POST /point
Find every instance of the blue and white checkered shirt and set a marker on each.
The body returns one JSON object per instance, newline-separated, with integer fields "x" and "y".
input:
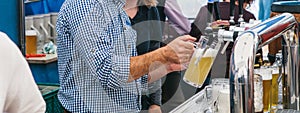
{"x": 95, "y": 43}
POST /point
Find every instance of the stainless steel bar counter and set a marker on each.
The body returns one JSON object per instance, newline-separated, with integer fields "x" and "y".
{"x": 206, "y": 101}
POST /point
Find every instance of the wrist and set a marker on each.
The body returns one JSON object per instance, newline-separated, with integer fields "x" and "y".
{"x": 163, "y": 53}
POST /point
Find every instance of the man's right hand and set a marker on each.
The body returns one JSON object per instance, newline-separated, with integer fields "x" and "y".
{"x": 180, "y": 50}
{"x": 170, "y": 58}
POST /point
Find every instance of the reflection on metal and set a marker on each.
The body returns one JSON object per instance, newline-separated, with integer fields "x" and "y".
{"x": 243, "y": 56}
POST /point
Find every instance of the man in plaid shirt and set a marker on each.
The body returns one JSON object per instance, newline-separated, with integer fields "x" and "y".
{"x": 98, "y": 67}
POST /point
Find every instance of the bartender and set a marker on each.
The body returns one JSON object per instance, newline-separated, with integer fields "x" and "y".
{"x": 98, "y": 67}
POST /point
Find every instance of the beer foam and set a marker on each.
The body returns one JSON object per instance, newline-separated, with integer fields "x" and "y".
{"x": 266, "y": 73}
{"x": 198, "y": 52}
{"x": 210, "y": 53}
{"x": 30, "y": 33}
{"x": 275, "y": 71}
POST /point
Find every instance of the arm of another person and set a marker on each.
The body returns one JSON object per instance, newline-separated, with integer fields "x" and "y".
{"x": 21, "y": 93}
{"x": 200, "y": 23}
{"x": 174, "y": 14}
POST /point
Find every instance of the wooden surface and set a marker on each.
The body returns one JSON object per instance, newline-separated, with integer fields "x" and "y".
{"x": 43, "y": 60}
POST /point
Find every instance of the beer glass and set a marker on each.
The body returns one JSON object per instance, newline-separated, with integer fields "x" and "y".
{"x": 274, "y": 89}
{"x": 266, "y": 74}
{"x": 200, "y": 63}
{"x": 258, "y": 93}
{"x": 31, "y": 39}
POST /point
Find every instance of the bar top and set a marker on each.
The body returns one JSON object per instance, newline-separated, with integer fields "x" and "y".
{"x": 42, "y": 60}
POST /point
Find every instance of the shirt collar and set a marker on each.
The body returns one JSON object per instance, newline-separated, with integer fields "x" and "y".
{"x": 120, "y": 3}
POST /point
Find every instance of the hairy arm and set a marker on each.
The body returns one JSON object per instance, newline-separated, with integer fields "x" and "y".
{"x": 163, "y": 60}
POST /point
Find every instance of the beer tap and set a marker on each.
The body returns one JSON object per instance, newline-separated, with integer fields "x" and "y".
{"x": 243, "y": 57}
{"x": 235, "y": 29}
{"x": 208, "y": 39}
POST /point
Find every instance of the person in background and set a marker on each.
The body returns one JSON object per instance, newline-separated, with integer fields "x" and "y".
{"x": 145, "y": 20}
{"x": 97, "y": 60}
{"x": 170, "y": 9}
{"x": 19, "y": 93}
{"x": 264, "y": 11}
{"x": 200, "y": 23}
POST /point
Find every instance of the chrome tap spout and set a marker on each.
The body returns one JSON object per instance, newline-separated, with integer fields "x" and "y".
{"x": 243, "y": 57}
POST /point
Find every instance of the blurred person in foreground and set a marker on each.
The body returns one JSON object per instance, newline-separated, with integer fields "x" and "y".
{"x": 19, "y": 93}
{"x": 97, "y": 60}
{"x": 174, "y": 24}
{"x": 144, "y": 18}
{"x": 200, "y": 23}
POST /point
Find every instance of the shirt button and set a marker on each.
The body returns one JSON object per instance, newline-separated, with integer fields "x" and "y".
{"x": 93, "y": 50}
{"x": 128, "y": 46}
{"x": 124, "y": 28}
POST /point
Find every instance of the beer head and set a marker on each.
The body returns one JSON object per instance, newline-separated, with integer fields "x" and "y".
{"x": 211, "y": 53}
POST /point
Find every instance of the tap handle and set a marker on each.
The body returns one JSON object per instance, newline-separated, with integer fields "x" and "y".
{"x": 216, "y": 10}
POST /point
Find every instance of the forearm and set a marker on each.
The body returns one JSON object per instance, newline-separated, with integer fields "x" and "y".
{"x": 157, "y": 71}
{"x": 140, "y": 65}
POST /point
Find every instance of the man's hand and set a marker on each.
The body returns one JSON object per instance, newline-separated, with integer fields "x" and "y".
{"x": 163, "y": 60}
{"x": 219, "y": 23}
{"x": 180, "y": 50}
{"x": 154, "y": 109}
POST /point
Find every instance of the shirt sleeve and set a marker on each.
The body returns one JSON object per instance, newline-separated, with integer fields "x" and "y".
{"x": 180, "y": 23}
{"x": 199, "y": 24}
{"x": 93, "y": 39}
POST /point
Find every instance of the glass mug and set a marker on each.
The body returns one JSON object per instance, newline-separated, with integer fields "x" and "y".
{"x": 266, "y": 74}
{"x": 201, "y": 63}
{"x": 31, "y": 42}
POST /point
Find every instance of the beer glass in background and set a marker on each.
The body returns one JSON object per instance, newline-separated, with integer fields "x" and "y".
{"x": 224, "y": 100}
{"x": 266, "y": 74}
{"x": 200, "y": 63}
{"x": 31, "y": 40}
{"x": 275, "y": 75}
{"x": 258, "y": 93}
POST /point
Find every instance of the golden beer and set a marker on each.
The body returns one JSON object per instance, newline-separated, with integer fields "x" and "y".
{"x": 31, "y": 42}
{"x": 267, "y": 94}
{"x": 274, "y": 90}
{"x": 196, "y": 74}
{"x": 197, "y": 71}
{"x": 266, "y": 74}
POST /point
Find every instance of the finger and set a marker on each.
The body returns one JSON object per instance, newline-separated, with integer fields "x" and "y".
{"x": 189, "y": 45}
{"x": 188, "y": 38}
